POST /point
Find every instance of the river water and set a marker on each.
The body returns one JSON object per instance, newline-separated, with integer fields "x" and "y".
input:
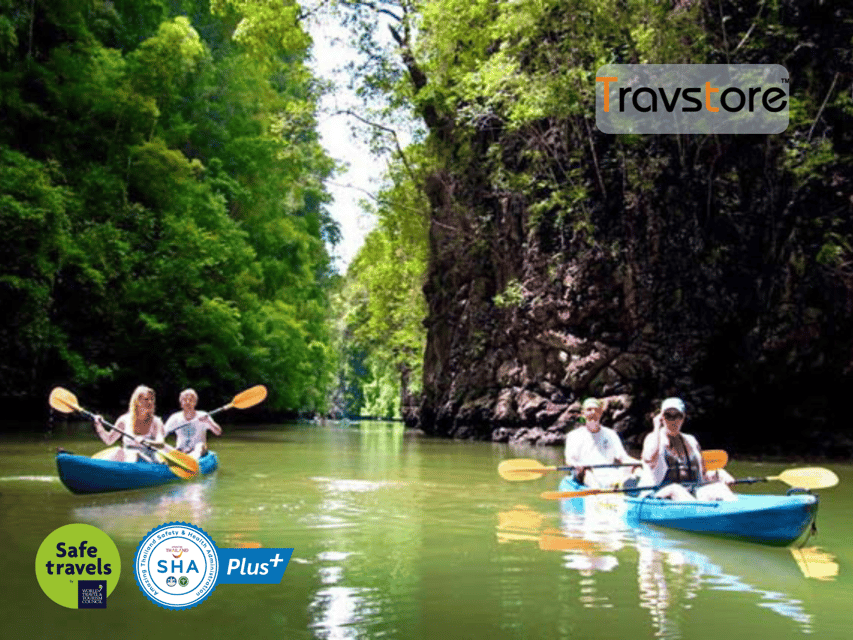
{"x": 400, "y": 536}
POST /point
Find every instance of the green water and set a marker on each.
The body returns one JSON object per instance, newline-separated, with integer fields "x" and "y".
{"x": 399, "y": 536}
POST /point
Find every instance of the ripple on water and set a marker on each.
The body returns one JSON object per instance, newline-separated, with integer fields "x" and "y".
{"x": 29, "y": 479}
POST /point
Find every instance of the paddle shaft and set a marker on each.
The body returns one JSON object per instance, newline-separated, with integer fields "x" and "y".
{"x": 754, "y": 480}
{"x": 564, "y": 495}
{"x": 524, "y": 469}
{"x": 209, "y": 413}
{"x": 567, "y": 495}
{"x": 585, "y": 466}
{"x": 143, "y": 441}
{"x": 712, "y": 459}
{"x": 223, "y": 408}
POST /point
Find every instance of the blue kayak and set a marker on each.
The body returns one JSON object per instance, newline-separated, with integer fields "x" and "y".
{"x": 767, "y": 519}
{"x": 82, "y": 474}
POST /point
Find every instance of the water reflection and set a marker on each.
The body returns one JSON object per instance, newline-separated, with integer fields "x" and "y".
{"x": 670, "y": 577}
{"x": 128, "y": 515}
{"x": 671, "y": 570}
{"x": 815, "y": 563}
{"x": 366, "y": 518}
{"x": 339, "y": 613}
{"x": 337, "y": 610}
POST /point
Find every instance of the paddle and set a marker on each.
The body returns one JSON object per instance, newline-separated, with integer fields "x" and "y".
{"x": 806, "y": 478}
{"x": 521, "y": 469}
{"x": 181, "y": 464}
{"x": 243, "y": 400}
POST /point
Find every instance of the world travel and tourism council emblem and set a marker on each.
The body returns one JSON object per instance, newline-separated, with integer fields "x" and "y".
{"x": 176, "y": 565}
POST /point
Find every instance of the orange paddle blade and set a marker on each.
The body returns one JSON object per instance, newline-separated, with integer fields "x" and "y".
{"x": 249, "y": 397}
{"x": 63, "y": 400}
{"x": 715, "y": 459}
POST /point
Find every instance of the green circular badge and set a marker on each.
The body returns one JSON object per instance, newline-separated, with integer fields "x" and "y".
{"x": 78, "y": 566}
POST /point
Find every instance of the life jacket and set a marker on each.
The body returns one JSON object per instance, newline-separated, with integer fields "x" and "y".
{"x": 681, "y": 469}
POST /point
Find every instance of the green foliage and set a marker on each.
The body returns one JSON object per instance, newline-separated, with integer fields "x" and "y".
{"x": 380, "y": 307}
{"x": 164, "y": 183}
{"x": 511, "y": 297}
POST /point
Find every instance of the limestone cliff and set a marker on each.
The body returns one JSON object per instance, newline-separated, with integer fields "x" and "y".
{"x": 716, "y": 268}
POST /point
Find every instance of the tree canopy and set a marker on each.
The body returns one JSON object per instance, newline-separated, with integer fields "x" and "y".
{"x": 161, "y": 193}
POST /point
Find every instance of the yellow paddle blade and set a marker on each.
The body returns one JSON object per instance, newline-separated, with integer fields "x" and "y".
{"x": 715, "y": 459}
{"x": 249, "y": 397}
{"x": 522, "y": 469}
{"x": 181, "y": 464}
{"x": 63, "y": 400}
{"x": 808, "y": 478}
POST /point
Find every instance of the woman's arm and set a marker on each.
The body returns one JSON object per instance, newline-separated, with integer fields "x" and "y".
{"x": 652, "y": 443}
{"x": 108, "y": 437}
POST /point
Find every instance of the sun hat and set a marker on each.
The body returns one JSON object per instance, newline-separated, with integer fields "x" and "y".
{"x": 673, "y": 403}
{"x": 591, "y": 402}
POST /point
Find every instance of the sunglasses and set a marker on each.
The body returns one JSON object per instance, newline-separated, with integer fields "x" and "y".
{"x": 673, "y": 415}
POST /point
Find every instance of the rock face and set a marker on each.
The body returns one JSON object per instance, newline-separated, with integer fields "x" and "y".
{"x": 735, "y": 313}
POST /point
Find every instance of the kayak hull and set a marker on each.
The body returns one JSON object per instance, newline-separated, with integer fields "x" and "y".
{"x": 82, "y": 474}
{"x": 766, "y": 519}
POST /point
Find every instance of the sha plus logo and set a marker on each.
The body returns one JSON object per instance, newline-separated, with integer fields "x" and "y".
{"x": 176, "y": 565}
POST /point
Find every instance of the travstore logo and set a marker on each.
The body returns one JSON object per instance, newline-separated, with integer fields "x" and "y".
{"x": 691, "y": 98}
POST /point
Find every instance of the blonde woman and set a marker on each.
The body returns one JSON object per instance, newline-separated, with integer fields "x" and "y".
{"x": 139, "y": 421}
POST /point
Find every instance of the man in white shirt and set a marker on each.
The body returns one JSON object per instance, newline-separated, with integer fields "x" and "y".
{"x": 592, "y": 444}
{"x": 191, "y": 426}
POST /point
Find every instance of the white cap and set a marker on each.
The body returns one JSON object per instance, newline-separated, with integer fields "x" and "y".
{"x": 591, "y": 402}
{"x": 673, "y": 403}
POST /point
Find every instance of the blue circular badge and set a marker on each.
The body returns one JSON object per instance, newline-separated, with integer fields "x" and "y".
{"x": 176, "y": 565}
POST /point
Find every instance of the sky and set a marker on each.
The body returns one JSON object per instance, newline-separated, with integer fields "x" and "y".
{"x": 365, "y": 170}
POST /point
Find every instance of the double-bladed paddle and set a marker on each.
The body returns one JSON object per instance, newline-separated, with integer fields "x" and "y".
{"x": 805, "y": 478}
{"x": 521, "y": 469}
{"x": 243, "y": 400}
{"x": 181, "y": 464}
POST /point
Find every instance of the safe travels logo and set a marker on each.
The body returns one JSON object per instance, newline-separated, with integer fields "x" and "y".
{"x": 78, "y": 566}
{"x": 692, "y": 98}
{"x": 177, "y": 565}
